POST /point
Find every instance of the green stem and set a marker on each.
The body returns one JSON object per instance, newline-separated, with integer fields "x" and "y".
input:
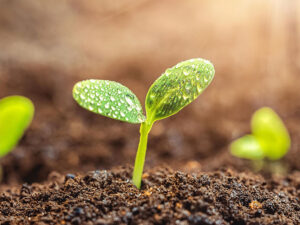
{"x": 141, "y": 154}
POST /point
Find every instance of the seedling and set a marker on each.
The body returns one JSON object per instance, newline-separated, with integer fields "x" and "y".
{"x": 172, "y": 91}
{"x": 269, "y": 139}
{"x": 16, "y": 113}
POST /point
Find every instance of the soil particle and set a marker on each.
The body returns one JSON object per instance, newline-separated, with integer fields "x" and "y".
{"x": 166, "y": 197}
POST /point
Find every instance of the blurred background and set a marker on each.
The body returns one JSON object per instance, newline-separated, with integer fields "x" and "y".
{"x": 47, "y": 46}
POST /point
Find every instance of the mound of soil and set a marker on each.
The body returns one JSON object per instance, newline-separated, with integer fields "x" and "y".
{"x": 166, "y": 197}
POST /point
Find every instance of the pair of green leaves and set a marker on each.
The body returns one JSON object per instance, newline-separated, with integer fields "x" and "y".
{"x": 171, "y": 92}
{"x": 269, "y": 139}
{"x": 16, "y": 113}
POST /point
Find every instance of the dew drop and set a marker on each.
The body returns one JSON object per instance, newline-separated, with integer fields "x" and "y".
{"x": 188, "y": 86}
{"x": 113, "y": 108}
{"x": 106, "y": 105}
{"x": 122, "y": 114}
{"x": 91, "y": 108}
{"x": 152, "y": 96}
{"x": 199, "y": 89}
{"x": 99, "y": 110}
{"x": 112, "y": 98}
{"x": 186, "y": 72}
{"x": 129, "y": 101}
{"x": 82, "y": 97}
{"x": 205, "y": 79}
{"x": 168, "y": 72}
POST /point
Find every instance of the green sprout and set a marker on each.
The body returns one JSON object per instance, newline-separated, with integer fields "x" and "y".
{"x": 16, "y": 113}
{"x": 269, "y": 139}
{"x": 172, "y": 91}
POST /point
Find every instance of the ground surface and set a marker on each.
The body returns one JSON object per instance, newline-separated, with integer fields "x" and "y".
{"x": 166, "y": 197}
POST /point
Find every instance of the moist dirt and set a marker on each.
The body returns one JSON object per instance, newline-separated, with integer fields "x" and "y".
{"x": 166, "y": 197}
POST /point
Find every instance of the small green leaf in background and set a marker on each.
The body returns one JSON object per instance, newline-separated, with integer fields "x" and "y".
{"x": 269, "y": 139}
{"x": 178, "y": 87}
{"x": 16, "y": 113}
{"x": 247, "y": 147}
{"x": 110, "y": 99}
{"x": 271, "y": 133}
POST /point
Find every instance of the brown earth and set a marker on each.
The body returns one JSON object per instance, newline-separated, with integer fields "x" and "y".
{"x": 166, "y": 197}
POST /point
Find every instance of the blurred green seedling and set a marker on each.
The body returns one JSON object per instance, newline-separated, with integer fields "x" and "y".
{"x": 173, "y": 90}
{"x": 16, "y": 113}
{"x": 269, "y": 140}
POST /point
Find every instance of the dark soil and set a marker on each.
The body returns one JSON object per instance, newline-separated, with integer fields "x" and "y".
{"x": 166, "y": 197}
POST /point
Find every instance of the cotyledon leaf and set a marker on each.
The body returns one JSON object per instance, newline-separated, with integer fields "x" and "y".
{"x": 247, "y": 147}
{"x": 110, "y": 99}
{"x": 271, "y": 133}
{"x": 178, "y": 87}
{"x": 16, "y": 113}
